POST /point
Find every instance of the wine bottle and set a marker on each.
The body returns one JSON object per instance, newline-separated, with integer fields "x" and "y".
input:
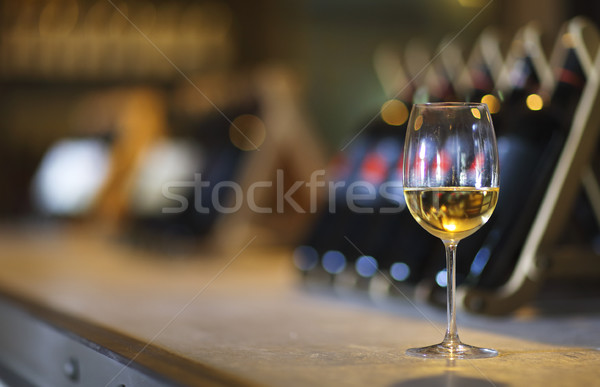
{"x": 523, "y": 142}
{"x": 528, "y": 154}
{"x": 345, "y": 229}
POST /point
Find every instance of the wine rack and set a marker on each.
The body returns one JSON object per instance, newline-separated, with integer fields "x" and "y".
{"x": 547, "y": 129}
{"x": 111, "y": 41}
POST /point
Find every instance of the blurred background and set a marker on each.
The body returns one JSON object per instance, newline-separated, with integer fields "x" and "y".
{"x": 103, "y": 102}
{"x": 56, "y": 53}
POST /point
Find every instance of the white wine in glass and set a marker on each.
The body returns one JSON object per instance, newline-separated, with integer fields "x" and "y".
{"x": 451, "y": 186}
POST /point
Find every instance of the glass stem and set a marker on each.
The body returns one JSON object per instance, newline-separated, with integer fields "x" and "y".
{"x": 451, "y": 338}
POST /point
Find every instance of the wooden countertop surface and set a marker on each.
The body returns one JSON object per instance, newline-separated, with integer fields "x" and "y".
{"x": 243, "y": 317}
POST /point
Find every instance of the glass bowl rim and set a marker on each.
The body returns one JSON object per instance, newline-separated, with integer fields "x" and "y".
{"x": 450, "y": 104}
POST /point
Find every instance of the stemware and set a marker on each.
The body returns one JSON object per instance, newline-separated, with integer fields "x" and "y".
{"x": 451, "y": 185}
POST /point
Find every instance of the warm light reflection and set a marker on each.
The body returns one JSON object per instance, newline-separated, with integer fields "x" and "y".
{"x": 418, "y": 122}
{"x": 247, "y": 132}
{"x": 100, "y": 40}
{"x": 450, "y": 227}
{"x": 394, "y": 112}
{"x": 476, "y": 113}
{"x": 534, "y": 102}
{"x": 492, "y": 102}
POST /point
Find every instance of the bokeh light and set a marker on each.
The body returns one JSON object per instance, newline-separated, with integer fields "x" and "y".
{"x": 534, "y": 102}
{"x": 247, "y": 132}
{"x": 334, "y": 262}
{"x": 305, "y": 258}
{"x": 366, "y": 266}
{"x": 400, "y": 271}
{"x": 394, "y": 112}
{"x": 441, "y": 278}
{"x": 492, "y": 102}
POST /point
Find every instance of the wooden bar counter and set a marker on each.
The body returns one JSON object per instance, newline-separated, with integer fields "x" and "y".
{"x": 77, "y": 308}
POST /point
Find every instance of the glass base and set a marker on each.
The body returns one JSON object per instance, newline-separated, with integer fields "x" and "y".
{"x": 452, "y": 351}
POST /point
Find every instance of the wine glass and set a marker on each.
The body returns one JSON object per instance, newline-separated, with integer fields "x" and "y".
{"x": 451, "y": 185}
